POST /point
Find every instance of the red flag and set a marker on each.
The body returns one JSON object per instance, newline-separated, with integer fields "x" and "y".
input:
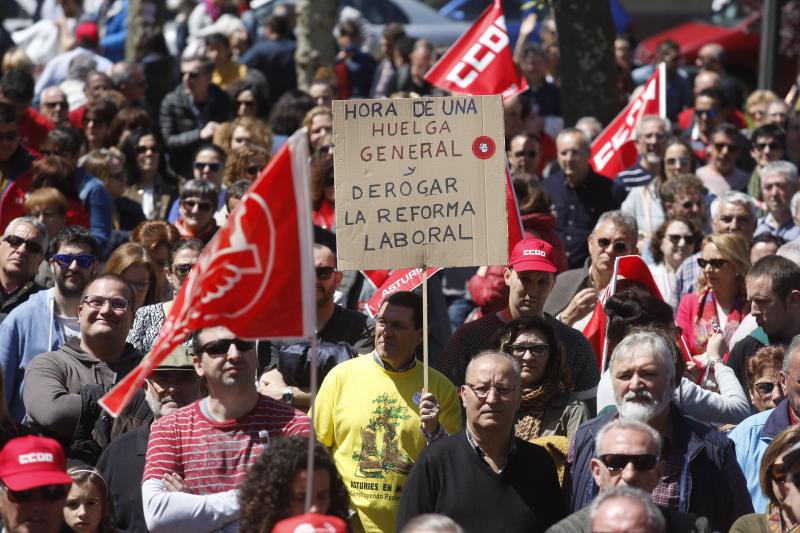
{"x": 512, "y": 213}
{"x": 254, "y": 277}
{"x": 401, "y": 279}
{"x": 614, "y": 149}
{"x": 480, "y": 62}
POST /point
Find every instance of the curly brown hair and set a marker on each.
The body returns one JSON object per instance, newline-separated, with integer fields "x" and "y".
{"x": 557, "y": 368}
{"x": 661, "y": 232}
{"x": 765, "y": 358}
{"x": 264, "y": 495}
{"x": 238, "y": 162}
{"x": 260, "y": 131}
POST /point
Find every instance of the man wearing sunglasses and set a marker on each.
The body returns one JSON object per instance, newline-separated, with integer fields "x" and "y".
{"x": 701, "y": 475}
{"x": 33, "y": 485}
{"x": 576, "y": 291}
{"x": 192, "y": 112}
{"x": 182, "y": 490}
{"x": 768, "y": 143}
{"x": 49, "y": 317}
{"x": 523, "y": 154}
{"x": 21, "y": 252}
{"x": 707, "y": 116}
{"x": 62, "y": 387}
{"x": 628, "y": 453}
{"x": 288, "y": 377}
{"x": 721, "y": 173}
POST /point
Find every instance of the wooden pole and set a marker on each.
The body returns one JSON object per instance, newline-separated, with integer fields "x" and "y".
{"x": 424, "y": 328}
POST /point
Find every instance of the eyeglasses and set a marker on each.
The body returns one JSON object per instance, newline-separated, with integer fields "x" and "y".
{"x": 53, "y": 105}
{"x": 715, "y": 263}
{"x": 50, "y": 493}
{"x": 324, "y": 273}
{"x": 83, "y": 260}
{"x": 617, "y": 462}
{"x": 773, "y": 146}
{"x": 676, "y": 239}
{"x": 10, "y": 136}
{"x": 720, "y": 146}
{"x": 619, "y": 246}
{"x": 182, "y": 269}
{"x": 98, "y": 302}
{"x": 689, "y": 203}
{"x": 221, "y": 346}
{"x": 32, "y": 246}
{"x": 214, "y": 167}
{"x": 765, "y": 388}
{"x": 482, "y": 391}
{"x": 538, "y": 349}
{"x": 523, "y": 153}
{"x": 676, "y": 161}
{"x": 778, "y": 473}
{"x": 189, "y": 205}
{"x": 145, "y": 149}
{"x": 252, "y": 171}
{"x": 710, "y": 113}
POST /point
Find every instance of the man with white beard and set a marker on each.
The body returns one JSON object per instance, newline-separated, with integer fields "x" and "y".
{"x": 701, "y": 475}
{"x": 172, "y": 385}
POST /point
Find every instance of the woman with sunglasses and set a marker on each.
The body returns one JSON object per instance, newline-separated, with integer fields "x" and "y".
{"x": 547, "y": 407}
{"x": 149, "y": 182}
{"x": 779, "y": 517}
{"x": 198, "y": 201}
{"x": 720, "y": 302}
{"x": 149, "y": 318}
{"x": 675, "y": 240}
{"x": 762, "y": 376}
{"x": 245, "y": 162}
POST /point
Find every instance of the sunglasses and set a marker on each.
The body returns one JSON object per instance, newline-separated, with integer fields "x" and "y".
{"x": 710, "y": 113}
{"x": 765, "y": 388}
{"x": 523, "y": 153}
{"x": 616, "y": 462}
{"x": 145, "y": 149}
{"x": 619, "y": 246}
{"x": 221, "y": 346}
{"x": 689, "y": 203}
{"x": 252, "y": 171}
{"x": 214, "y": 167}
{"x": 773, "y": 146}
{"x": 182, "y": 269}
{"x": 720, "y": 146}
{"x": 98, "y": 302}
{"x": 83, "y": 260}
{"x": 32, "y": 246}
{"x": 676, "y": 239}
{"x": 189, "y": 205}
{"x": 540, "y": 349}
{"x": 716, "y": 264}
{"x": 50, "y": 493}
{"x": 324, "y": 273}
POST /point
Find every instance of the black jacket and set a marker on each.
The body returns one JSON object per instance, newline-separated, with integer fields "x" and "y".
{"x": 122, "y": 466}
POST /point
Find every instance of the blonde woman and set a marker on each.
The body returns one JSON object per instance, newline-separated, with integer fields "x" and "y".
{"x": 720, "y": 302}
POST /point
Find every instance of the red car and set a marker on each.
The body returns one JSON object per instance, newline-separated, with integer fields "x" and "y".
{"x": 736, "y": 28}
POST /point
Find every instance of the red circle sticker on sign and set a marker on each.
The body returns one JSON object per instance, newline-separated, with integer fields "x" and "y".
{"x": 483, "y": 147}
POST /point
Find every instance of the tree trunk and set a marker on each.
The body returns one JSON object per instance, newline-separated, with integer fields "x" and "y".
{"x": 315, "y": 45}
{"x": 142, "y": 13}
{"x": 588, "y": 69}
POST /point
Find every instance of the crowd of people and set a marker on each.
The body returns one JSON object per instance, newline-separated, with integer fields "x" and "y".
{"x": 117, "y": 170}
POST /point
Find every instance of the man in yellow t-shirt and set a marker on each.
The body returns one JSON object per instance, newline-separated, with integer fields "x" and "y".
{"x": 371, "y": 412}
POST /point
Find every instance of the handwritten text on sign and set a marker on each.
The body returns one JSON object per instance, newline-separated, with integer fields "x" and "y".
{"x": 419, "y": 182}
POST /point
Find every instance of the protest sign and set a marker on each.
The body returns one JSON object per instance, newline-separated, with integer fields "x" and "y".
{"x": 420, "y": 182}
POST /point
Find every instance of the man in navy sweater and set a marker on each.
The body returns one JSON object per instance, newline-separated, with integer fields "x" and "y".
{"x": 484, "y": 477}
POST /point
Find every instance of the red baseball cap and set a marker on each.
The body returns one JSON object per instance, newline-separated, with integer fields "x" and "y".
{"x": 30, "y": 462}
{"x": 532, "y": 254}
{"x": 87, "y": 32}
{"x": 311, "y": 523}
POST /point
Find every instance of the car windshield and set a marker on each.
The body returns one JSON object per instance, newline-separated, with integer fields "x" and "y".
{"x": 470, "y": 10}
{"x": 731, "y": 12}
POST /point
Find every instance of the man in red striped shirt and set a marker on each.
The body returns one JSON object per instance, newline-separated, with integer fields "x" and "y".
{"x": 197, "y": 456}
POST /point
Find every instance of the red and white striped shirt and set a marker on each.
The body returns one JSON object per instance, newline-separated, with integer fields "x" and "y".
{"x": 213, "y": 456}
